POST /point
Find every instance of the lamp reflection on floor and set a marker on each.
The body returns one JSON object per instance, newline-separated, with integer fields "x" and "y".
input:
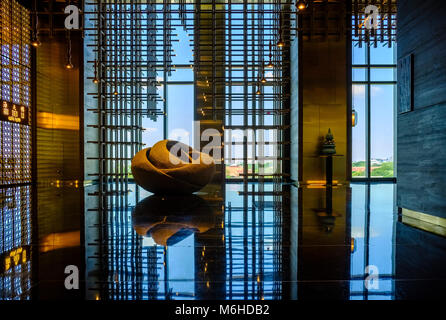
{"x": 60, "y": 240}
{"x": 324, "y": 242}
{"x": 327, "y": 216}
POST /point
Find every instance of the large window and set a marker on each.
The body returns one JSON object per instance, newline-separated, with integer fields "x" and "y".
{"x": 373, "y": 102}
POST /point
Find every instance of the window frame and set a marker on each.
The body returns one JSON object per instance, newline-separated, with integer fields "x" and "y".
{"x": 368, "y": 83}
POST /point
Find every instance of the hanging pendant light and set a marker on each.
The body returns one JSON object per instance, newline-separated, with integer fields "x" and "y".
{"x": 280, "y": 43}
{"x": 354, "y": 118}
{"x": 301, "y": 5}
{"x": 262, "y": 78}
{"x": 69, "y": 64}
{"x": 35, "y": 42}
{"x": 270, "y": 63}
{"x": 95, "y": 79}
{"x": 258, "y": 92}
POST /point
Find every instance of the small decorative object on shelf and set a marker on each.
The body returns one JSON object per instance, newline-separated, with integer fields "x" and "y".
{"x": 329, "y": 146}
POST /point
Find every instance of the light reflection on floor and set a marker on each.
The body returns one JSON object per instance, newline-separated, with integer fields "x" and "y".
{"x": 268, "y": 241}
{"x": 253, "y": 233}
{"x": 373, "y": 230}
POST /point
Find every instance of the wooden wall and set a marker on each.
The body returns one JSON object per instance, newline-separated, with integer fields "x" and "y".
{"x": 324, "y": 106}
{"x": 319, "y": 96}
{"x": 59, "y": 153}
{"x": 58, "y": 118}
{"x": 421, "y": 144}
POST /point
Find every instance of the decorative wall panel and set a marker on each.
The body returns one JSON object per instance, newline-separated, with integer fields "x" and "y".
{"x": 15, "y": 91}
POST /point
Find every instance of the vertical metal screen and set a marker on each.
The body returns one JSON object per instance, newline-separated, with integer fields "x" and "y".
{"x": 138, "y": 75}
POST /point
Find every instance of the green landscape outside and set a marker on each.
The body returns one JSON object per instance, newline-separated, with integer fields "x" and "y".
{"x": 383, "y": 169}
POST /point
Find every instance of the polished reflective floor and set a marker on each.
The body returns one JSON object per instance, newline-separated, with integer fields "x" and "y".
{"x": 249, "y": 241}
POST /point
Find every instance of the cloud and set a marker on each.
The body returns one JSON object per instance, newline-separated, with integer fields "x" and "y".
{"x": 358, "y": 90}
{"x": 375, "y": 90}
{"x": 357, "y": 232}
{"x": 149, "y": 130}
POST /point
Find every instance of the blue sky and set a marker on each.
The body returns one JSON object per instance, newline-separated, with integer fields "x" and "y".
{"x": 382, "y": 105}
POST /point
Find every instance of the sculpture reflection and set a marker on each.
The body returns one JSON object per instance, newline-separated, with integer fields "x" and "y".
{"x": 327, "y": 216}
{"x": 324, "y": 243}
{"x": 170, "y": 219}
